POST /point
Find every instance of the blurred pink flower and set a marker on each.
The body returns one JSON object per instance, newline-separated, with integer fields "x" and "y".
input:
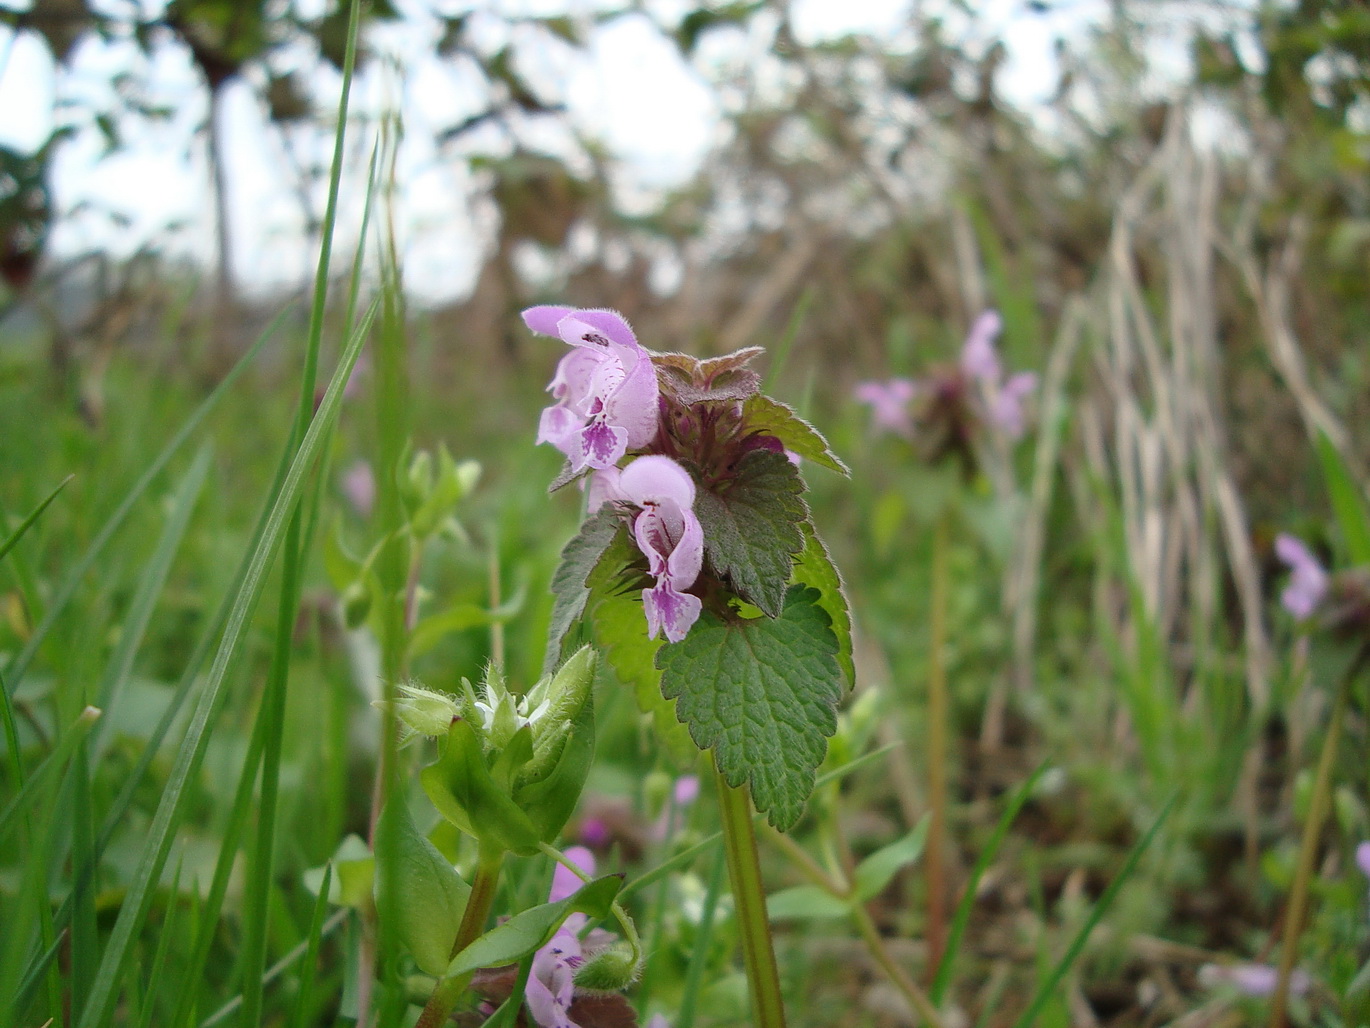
{"x": 1255, "y": 980}
{"x": 1363, "y": 858}
{"x": 683, "y": 794}
{"x": 551, "y": 984}
{"x": 980, "y": 364}
{"x": 1308, "y": 581}
{"x": 889, "y": 403}
{"x": 359, "y": 486}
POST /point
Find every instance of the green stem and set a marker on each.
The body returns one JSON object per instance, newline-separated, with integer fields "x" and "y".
{"x": 1308, "y": 845}
{"x": 937, "y": 743}
{"x": 875, "y": 942}
{"x": 744, "y": 869}
{"x": 478, "y": 904}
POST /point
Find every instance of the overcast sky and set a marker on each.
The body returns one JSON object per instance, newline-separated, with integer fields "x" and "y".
{"x": 632, "y": 91}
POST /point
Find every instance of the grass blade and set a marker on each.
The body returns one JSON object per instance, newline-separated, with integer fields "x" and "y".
{"x": 305, "y": 996}
{"x": 64, "y": 593}
{"x": 103, "y": 993}
{"x": 57, "y": 758}
{"x": 28, "y": 522}
{"x": 961, "y": 918}
{"x": 1347, "y": 501}
{"x": 1047, "y": 987}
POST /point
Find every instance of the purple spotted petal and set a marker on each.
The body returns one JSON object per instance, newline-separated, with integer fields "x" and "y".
{"x": 978, "y": 357}
{"x": 669, "y": 612}
{"x": 1307, "y": 582}
{"x": 560, "y": 427}
{"x": 609, "y": 324}
{"x": 544, "y": 320}
{"x": 598, "y": 445}
{"x": 635, "y": 403}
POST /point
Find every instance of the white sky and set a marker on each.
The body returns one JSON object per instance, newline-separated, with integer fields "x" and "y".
{"x": 655, "y": 113}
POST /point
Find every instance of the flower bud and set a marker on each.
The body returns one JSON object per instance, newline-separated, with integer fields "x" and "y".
{"x": 425, "y": 712}
{"x": 609, "y": 970}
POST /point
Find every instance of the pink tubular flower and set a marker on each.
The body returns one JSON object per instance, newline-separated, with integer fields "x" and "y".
{"x": 889, "y": 403}
{"x": 980, "y": 363}
{"x": 605, "y": 388}
{"x": 1308, "y": 581}
{"x": 670, "y": 535}
{"x": 551, "y": 984}
{"x": 665, "y": 530}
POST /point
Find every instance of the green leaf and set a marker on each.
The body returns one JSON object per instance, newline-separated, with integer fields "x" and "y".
{"x": 875, "y": 872}
{"x": 763, "y": 695}
{"x": 816, "y": 570}
{"x": 578, "y": 559}
{"x": 354, "y": 870}
{"x": 620, "y": 628}
{"x": 805, "y": 903}
{"x": 1347, "y": 501}
{"x": 764, "y": 416}
{"x": 751, "y": 527}
{"x": 435, "y": 627}
{"x": 527, "y": 932}
{"x": 461, "y": 787}
{"x": 429, "y": 896}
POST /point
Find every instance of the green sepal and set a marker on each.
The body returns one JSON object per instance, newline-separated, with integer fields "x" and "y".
{"x": 512, "y": 758}
{"x": 526, "y": 933}
{"x": 461, "y": 787}
{"x": 550, "y": 801}
{"x": 428, "y": 897}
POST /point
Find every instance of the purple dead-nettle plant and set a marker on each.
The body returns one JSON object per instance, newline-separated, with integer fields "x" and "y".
{"x": 947, "y": 412}
{"x": 697, "y": 530}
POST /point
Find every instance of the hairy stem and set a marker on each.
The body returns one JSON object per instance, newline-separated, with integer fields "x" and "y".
{"x": 744, "y": 870}
{"x": 1308, "y": 845}
{"x": 478, "y": 904}
{"x": 937, "y": 744}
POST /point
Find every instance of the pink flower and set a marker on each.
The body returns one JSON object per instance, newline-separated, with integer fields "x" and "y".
{"x": 1255, "y": 980}
{"x": 359, "y": 486}
{"x": 683, "y": 793}
{"x": 1308, "y": 582}
{"x": 1363, "y": 858}
{"x": 666, "y": 530}
{"x": 889, "y": 402}
{"x": 980, "y": 364}
{"x": 605, "y": 388}
{"x": 551, "y": 984}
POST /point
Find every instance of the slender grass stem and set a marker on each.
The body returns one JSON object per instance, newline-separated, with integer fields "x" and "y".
{"x": 744, "y": 869}
{"x": 1308, "y": 846}
{"x": 937, "y": 744}
{"x": 478, "y": 904}
{"x": 916, "y": 997}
